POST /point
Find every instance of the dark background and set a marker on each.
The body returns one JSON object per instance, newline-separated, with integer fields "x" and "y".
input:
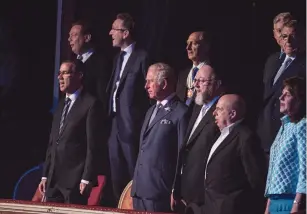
{"x": 242, "y": 40}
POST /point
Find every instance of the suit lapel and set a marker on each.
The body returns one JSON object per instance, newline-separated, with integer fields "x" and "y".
{"x": 110, "y": 84}
{"x": 161, "y": 114}
{"x": 146, "y": 120}
{"x": 131, "y": 61}
{"x": 205, "y": 120}
{"x": 226, "y": 142}
{"x": 287, "y": 73}
{"x": 57, "y": 119}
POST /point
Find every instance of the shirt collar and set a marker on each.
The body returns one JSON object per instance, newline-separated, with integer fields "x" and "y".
{"x": 291, "y": 57}
{"x": 166, "y": 100}
{"x": 75, "y": 95}
{"x": 199, "y": 65}
{"x": 230, "y": 127}
{"x": 86, "y": 55}
{"x": 129, "y": 49}
{"x": 285, "y": 119}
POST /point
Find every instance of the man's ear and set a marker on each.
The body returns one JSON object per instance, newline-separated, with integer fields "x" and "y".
{"x": 164, "y": 84}
{"x": 233, "y": 114}
{"x": 126, "y": 34}
{"x": 87, "y": 37}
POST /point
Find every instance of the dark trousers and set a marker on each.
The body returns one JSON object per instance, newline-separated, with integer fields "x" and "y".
{"x": 141, "y": 204}
{"x": 64, "y": 195}
{"x": 118, "y": 162}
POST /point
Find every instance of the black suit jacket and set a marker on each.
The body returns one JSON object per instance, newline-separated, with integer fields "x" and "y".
{"x": 131, "y": 101}
{"x": 160, "y": 143}
{"x": 269, "y": 118}
{"x": 181, "y": 89}
{"x": 190, "y": 184}
{"x": 96, "y": 76}
{"x": 235, "y": 176}
{"x": 72, "y": 154}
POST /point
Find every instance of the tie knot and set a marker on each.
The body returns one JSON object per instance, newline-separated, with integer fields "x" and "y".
{"x": 80, "y": 57}
{"x": 67, "y": 100}
{"x": 122, "y": 53}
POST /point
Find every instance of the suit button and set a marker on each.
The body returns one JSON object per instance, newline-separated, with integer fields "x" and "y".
{"x": 206, "y": 189}
{"x": 57, "y": 142}
{"x": 184, "y": 165}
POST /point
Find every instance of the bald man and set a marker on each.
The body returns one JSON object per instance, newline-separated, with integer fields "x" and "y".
{"x": 235, "y": 168}
{"x": 197, "y": 49}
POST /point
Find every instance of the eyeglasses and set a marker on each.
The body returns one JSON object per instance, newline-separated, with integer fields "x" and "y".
{"x": 118, "y": 29}
{"x": 285, "y": 36}
{"x": 202, "y": 81}
{"x": 65, "y": 72}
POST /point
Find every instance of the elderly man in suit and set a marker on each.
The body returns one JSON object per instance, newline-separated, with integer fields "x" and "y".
{"x": 128, "y": 102}
{"x": 161, "y": 138}
{"x": 71, "y": 161}
{"x": 235, "y": 169}
{"x": 277, "y": 69}
{"x": 201, "y": 134}
{"x": 197, "y": 48}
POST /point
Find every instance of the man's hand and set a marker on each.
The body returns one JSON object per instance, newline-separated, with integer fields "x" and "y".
{"x": 42, "y": 186}
{"x": 173, "y": 203}
{"x": 82, "y": 187}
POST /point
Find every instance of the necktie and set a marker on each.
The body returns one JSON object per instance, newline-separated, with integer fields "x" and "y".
{"x": 119, "y": 64}
{"x": 64, "y": 113}
{"x": 194, "y": 72}
{"x": 282, "y": 68}
{"x": 154, "y": 113}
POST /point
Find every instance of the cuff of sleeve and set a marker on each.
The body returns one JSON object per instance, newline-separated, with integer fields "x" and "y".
{"x": 85, "y": 181}
{"x": 44, "y": 178}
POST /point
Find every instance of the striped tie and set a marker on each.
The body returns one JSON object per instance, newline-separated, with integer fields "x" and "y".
{"x": 64, "y": 113}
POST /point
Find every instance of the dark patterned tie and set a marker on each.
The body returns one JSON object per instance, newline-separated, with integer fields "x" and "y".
{"x": 64, "y": 113}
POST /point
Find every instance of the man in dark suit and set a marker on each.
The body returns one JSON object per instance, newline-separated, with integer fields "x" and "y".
{"x": 201, "y": 134}
{"x": 197, "y": 49}
{"x": 235, "y": 170}
{"x": 71, "y": 161}
{"x": 161, "y": 138}
{"x": 128, "y": 102}
{"x": 96, "y": 66}
{"x": 292, "y": 63}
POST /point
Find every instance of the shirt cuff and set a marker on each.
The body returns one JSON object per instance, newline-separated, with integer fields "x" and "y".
{"x": 44, "y": 178}
{"x": 85, "y": 181}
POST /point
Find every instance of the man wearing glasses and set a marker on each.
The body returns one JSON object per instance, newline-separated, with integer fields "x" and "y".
{"x": 201, "y": 134}
{"x": 293, "y": 63}
{"x": 128, "y": 102}
{"x": 70, "y": 168}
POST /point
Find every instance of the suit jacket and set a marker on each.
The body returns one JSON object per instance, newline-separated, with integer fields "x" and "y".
{"x": 96, "y": 76}
{"x": 131, "y": 101}
{"x": 269, "y": 118}
{"x": 236, "y": 174}
{"x": 181, "y": 89}
{"x": 72, "y": 154}
{"x": 190, "y": 184}
{"x": 159, "y": 147}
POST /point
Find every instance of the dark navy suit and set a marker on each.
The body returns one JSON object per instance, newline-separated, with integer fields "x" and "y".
{"x": 131, "y": 105}
{"x": 156, "y": 164}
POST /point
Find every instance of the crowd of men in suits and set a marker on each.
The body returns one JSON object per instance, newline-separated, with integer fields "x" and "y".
{"x": 190, "y": 150}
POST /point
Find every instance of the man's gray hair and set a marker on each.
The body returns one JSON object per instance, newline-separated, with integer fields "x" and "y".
{"x": 164, "y": 71}
{"x": 284, "y": 17}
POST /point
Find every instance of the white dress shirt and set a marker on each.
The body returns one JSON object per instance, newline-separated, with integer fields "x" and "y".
{"x": 128, "y": 51}
{"x": 85, "y": 55}
{"x": 224, "y": 133}
{"x": 73, "y": 97}
{"x": 202, "y": 113}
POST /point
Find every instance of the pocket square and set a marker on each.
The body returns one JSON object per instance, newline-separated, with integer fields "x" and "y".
{"x": 165, "y": 121}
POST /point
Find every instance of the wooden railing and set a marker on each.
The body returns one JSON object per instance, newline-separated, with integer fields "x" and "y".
{"x": 18, "y": 207}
